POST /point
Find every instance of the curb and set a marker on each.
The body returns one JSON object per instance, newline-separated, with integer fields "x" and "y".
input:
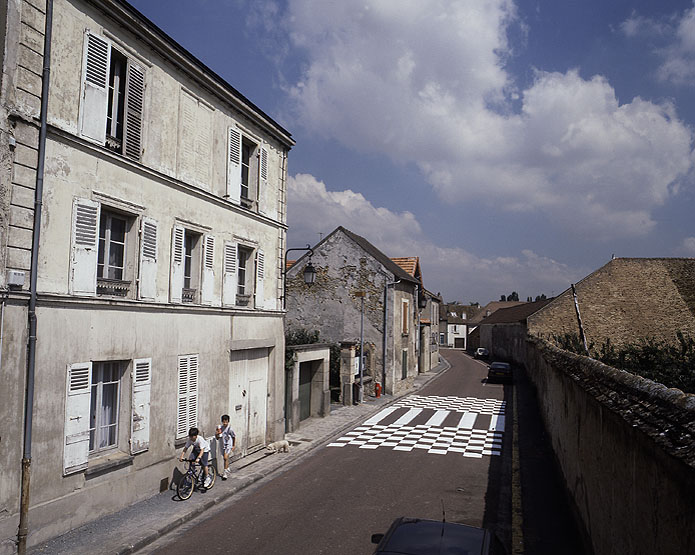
{"x": 136, "y": 544}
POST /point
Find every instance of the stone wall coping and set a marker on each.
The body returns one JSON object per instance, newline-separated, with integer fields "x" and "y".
{"x": 667, "y": 415}
{"x": 309, "y": 347}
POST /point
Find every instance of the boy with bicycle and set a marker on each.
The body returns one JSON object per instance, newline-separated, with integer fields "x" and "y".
{"x": 200, "y": 452}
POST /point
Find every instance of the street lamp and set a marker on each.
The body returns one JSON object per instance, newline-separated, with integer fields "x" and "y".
{"x": 309, "y": 272}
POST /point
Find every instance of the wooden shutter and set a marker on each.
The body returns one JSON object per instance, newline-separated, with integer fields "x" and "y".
{"x": 85, "y": 247}
{"x": 229, "y": 275}
{"x": 187, "y": 136}
{"x": 207, "y": 288}
{"x": 234, "y": 165}
{"x": 187, "y": 402}
{"x": 95, "y": 87}
{"x": 405, "y": 316}
{"x": 147, "y": 283}
{"x": 177, "y": 256}
{"x": 140, "y": 415}
{"x": 77, "y": 411}
{"x": 260, "y": 279}
{"x": 134, "y": 102}
{"x": 203, "y": 146}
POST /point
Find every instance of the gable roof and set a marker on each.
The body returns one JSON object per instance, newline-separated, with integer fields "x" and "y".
{"x": 491, "y": 307}
{"x": 390, "y": 265}
{"x": 514, "y": 314}
{"x": 626, "y": 300}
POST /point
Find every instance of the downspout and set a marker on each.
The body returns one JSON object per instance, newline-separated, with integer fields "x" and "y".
{"x": 386, "y": 328}
{"x": 417, "y": 331}
{"x": 31, "y": 345}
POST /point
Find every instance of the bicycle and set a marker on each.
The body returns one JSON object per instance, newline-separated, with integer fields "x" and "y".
{"x": 195, "y": 478}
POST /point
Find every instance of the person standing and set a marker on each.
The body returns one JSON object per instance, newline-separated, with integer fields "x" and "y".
{"x": 228, "y": 443}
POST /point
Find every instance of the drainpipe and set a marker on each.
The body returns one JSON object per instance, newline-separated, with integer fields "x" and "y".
{"x": 31, "y": 346}
{"x": 417, "y": 331}
{"x": 386, "y": 327}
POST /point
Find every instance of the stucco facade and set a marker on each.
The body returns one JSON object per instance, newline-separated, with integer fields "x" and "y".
{"x": 159, "y": 263}
{"x": 332, "y": 306}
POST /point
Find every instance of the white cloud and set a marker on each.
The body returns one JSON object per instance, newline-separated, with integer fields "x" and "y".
{"x": 425, "y": 83}
{"x": 687, "y": 247}
{"x": 455, "y": 272}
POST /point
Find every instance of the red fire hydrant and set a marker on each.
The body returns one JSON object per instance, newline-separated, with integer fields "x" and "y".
{"x": 377, "y": 389}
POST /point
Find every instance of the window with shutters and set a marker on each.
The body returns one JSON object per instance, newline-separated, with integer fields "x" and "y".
{"x": 187, "y": 396}
{"x": 113, "y": 92}
{"x": 105, "y": 405}
{"x": 247, "y": 169}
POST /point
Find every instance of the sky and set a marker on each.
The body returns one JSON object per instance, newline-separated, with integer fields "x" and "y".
{"x": 511, "y": 145}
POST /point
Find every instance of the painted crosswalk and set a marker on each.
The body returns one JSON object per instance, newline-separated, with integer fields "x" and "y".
{"x": 395, "y": 426}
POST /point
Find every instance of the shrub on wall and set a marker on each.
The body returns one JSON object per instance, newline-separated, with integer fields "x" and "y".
{"x": 669, "y": 363}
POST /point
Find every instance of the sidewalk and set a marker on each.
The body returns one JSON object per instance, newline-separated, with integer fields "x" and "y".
{"x": 133, "y": 528}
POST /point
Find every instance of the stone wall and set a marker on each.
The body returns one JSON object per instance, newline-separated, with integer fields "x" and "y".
{"x": 505, "y": 342}
{"x": 626, "y": 447}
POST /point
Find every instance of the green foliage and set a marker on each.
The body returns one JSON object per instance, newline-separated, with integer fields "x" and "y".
{"x": 669, "y": 363}
{"x": 298, "y": 336}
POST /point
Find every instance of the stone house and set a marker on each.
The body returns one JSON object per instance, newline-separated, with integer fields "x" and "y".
{"x": 159, "y": 194}
{"x": 473, "y": 331}
{"x": 625, "y": 300}
{"x": 504, "y": 332}
{"x": 348, "y": 265}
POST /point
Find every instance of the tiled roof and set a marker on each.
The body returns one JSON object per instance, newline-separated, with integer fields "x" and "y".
{"x": 491, "y": 307}
{"x": 408, "y": 263}
{"x": 289, "y": 264}
{"x": 514, "y": 314}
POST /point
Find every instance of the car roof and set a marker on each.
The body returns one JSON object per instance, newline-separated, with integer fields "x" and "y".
{"x": 415, "y": 536}
{"x": 500, "y": 364}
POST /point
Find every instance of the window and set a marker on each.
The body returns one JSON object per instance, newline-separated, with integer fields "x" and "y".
{"x": 244, "y": 287}
{"x": 404, "y": 364}
{"x": 111, "y": 256}
{"x": 442, "y": 338}
{"x": 405, "y": 307}
{"x": 104, "y": 405}
{"x": 105, "y": 251}
{"x": 113, "y": 91}
{"x": 247, "y": 170}
{"x": 192, "y": 267}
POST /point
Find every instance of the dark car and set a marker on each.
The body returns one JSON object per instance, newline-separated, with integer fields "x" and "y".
{"x": 417, "y": 536}
{"x": 499, "y": 371}
{"x": 481, "y": 352}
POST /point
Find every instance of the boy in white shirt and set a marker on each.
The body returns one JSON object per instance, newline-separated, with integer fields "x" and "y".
{"x": 228, "y": 437}
{"x": 200, "y": 452}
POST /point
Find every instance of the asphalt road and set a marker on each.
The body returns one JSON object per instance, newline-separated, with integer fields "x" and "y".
{"x": 448, "y": 449}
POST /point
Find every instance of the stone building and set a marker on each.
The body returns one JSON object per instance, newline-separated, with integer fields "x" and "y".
{"x": 159, "y": 195}
{"x": 429, "y": 331}
{"x": 348, "y": 265}
{"x": 626, "y": 300}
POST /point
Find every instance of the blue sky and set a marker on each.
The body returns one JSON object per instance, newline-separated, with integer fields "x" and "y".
{"x": 511, "y": 145}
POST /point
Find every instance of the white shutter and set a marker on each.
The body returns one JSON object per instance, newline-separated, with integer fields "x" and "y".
{"x": 134, "y": 102}
{"x": 266, "y": 197}
{"x": 95, "y": 87}
{"x": 229, "y": 274}
{"x": 187, "y": 137}
{"x": 177, "y": 255}
{"x": 147, "y": 284}
{"x": 207, "y": 288}
{"x": 77, "y": 410}
{"x": 85, "y": 247}
{"x": 187, "y": 399}
{"x": 203, "y": 146}
{"x": 140, "y": 421}
{"x": 260, "y": 279}
{"x": 234, "y": 165}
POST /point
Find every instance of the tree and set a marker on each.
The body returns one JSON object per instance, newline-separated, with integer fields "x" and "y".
{"x": 541, "y": 297}
{"x": 503, "y": 298}
{"x": 513, "y": 297}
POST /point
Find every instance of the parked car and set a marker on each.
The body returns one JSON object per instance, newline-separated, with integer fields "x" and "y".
{"x": 499, "y": 371}
{"x": 417, "y": 536}
{"x": 481, "y": 352}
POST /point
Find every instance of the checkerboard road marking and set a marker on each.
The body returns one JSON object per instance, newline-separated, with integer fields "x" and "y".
{"x": 464, "y": 438}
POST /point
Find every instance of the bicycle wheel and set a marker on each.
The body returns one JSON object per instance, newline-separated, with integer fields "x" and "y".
{"x": 184, "y": 489}
{"x": 212, "y": 473}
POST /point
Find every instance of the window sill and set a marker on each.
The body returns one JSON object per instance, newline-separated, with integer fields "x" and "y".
{"x": 104, "y": 463}
{"x": 179, "y": 443}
